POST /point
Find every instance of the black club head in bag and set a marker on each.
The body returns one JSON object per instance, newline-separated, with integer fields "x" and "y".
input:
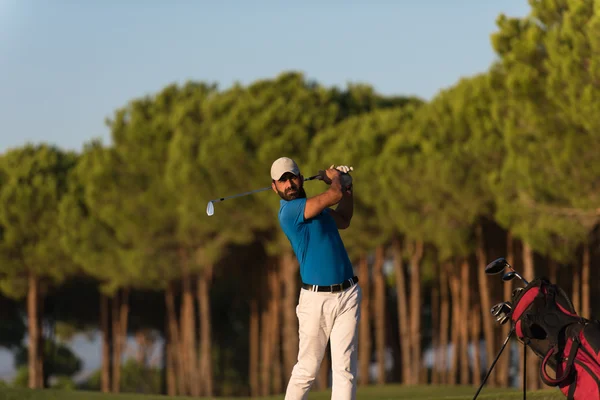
{"x": 509, "y": 276}
{"x": 517, "y": 292}
{"x": 496, "y": 309}
{"x": 496, "y": 266}
{"x": 499, "y": 309}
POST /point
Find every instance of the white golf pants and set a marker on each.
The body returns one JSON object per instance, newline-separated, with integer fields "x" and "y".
{"x": 326, "y": 316}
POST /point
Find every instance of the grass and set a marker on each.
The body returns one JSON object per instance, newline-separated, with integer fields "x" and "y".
{"x": 387, "y": 392}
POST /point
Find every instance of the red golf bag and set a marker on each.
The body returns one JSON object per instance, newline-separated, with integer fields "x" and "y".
{"x": 545, "y": 320}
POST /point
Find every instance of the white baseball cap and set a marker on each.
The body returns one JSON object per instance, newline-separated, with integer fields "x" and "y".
{"x": 283, "y": 165}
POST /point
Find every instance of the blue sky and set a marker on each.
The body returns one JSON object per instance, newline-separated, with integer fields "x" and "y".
{"x": 65, "y": 66}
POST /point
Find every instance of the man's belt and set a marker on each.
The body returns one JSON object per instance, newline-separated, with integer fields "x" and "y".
{"x": 338, "y": 287}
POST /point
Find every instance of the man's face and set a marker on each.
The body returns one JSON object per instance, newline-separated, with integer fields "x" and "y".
{"x": 289, "y": 186}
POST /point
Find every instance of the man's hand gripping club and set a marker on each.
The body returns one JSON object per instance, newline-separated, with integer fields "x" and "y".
{"x": 344, "y": 176}
{"x": 340, "y": 186}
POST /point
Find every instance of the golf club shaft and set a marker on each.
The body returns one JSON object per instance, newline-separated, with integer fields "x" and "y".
{"x": 523, "y": 279}
{"x": 256, "y": 191}
{"x": 519, "y": 275}
{"x": 240, "y": 194}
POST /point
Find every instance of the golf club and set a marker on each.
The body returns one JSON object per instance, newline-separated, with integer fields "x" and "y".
{"x": 509, "y": 276}
{"x": 499, "y": 265}
{"x": 503, "y": 308}
{"x": 517, "y": 292}
{"x": 496, "y": 309}
{"x": 210, "y": 207}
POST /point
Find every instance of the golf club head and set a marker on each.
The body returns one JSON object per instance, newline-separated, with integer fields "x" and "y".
{"x": 504, "y": 308}
{"x": 496, "y": 309}
{"x": 496, "y": 266}
{"x": 509, "y": 276}
{"x": 210, "y": 208}
{"x": 503, "y": 320}
{"x": 517, "y": 292}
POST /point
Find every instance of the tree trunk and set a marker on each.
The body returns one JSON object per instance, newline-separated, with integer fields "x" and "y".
{"x": 552, "y": 270}
{"x": 485, "y": 294}
{"x": 116, "y": 356}
{"x": 42, "y": 374}
{"x": 475, "y": 324}
{"x": 585, "y": 283}
{"x": 34, "y": 331}
{"x": 401, "y": 298}
{"x": 380, "y": 313}
{"x": 205, "y": 339}
{"x": 275, "y": 289}
{"x": 170, "y": 365}
{"x": 533, "y": 379}
{"x": 464, "y": 331}
{"x": 106, "y": 341}
{"x": 124, "y": 318}
{"x": 254, "y": 347}
{"x": 117, "y": 343}
{"x": 188, "y": 327}
{"x": 290, "y": 321}
{"x": 504, "y": 361}
{"x": 415, "y": 307}
{"x": 175, "y": 340}
{"x": 576, "y": 297}
{"x": 266, "y": 345}
{"x": 458, "y": 323}
{"x": 120, "y": 311}
{"x": 364, "y": 346}
{"x": 455, "y": 335}
{"x": 444, "y": 324}
{"x": 435, "y": 335}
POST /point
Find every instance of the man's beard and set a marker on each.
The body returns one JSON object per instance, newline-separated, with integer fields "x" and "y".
{"x": 290, "y": 194}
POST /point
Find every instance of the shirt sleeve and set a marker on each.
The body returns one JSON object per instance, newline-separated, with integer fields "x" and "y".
{"x": 292, "y": 213}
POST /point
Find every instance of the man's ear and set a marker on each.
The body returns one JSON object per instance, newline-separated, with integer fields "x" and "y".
{"x": 273, "y": 186}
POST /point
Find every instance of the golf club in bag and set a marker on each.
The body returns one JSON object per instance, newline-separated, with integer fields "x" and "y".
{"x": 544, "y": 319}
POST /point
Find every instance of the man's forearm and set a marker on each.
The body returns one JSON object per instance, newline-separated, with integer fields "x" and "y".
{"x": 346, "y": 206}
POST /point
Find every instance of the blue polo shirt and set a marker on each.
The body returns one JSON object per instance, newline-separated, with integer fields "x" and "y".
{"x": 317, "y": 244}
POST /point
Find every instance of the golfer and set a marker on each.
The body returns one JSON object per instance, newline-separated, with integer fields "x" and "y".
{"x": 329, "y": 301}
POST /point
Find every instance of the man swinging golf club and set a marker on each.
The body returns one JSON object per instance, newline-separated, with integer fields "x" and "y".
{"x": 329, "y": 302}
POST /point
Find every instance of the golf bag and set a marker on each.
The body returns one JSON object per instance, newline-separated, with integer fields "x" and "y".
{"x": 545, "y": 320}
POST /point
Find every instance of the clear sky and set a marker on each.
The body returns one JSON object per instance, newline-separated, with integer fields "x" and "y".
{"x": 65, "y": 66}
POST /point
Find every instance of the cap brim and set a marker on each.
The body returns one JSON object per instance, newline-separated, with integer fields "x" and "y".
{"x": 295, "y": 173}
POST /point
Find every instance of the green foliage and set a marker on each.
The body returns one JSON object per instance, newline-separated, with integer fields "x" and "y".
{"x": 548, "y": 183}
{"x": 135, "y": 378}
{"x": 21, "y": 378}
{"x": 59, "y": 359}
{"x": 357, "y": 142}
{"x": 64, "y": 383}
{"x": 34, "y": 179}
